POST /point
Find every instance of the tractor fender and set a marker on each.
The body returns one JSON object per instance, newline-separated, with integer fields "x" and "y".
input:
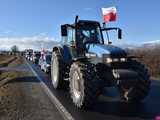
{"x": 65, "y": 53}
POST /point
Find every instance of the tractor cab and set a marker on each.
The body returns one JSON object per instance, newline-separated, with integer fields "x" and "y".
{"x": 88, "y": 32}
{"x": 80, "y": 35}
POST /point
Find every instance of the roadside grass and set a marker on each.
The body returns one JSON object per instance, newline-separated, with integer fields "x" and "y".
{"x": 16, "y": 62}
{"x": 3, "y": 57}
{"x": 157, "y": 77}
{"x": 7, "y": 76}
{"x": 6, "y": 59}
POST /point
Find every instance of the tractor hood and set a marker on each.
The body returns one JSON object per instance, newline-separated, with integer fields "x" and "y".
{"x": 109, "y": 50}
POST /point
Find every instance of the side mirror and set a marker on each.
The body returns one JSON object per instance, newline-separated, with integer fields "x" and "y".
{"x": 63, "y": 30}
{"x": 119, "y": 34}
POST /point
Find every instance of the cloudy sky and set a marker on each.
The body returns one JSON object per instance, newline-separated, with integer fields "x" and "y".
{"x": 36, "y": 23}
{"x": 34, "y": 42}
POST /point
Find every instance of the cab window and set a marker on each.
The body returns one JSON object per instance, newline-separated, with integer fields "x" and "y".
{"x": 71, "y": 36}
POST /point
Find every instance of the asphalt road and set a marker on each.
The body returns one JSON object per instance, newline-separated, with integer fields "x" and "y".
{"x": 107, "y": 108}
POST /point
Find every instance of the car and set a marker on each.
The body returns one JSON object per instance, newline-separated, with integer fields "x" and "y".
{"x": 46, "y": 63}
{"x": 28, "y": 54}
{"x": 36, "y": 57}
{"x": 42, "y": 53}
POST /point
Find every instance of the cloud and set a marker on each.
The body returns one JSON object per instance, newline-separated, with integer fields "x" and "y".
{"x": 152, "y": 42}
{"x": 34, "y": 42}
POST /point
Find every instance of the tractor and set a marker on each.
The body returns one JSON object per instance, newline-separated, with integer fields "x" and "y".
{"x": 85, "y": 64}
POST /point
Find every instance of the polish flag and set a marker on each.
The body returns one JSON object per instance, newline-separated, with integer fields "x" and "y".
{"x": 109, "y": 14}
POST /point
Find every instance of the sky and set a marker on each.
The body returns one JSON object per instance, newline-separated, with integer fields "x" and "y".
{"x": 36, "y": 23}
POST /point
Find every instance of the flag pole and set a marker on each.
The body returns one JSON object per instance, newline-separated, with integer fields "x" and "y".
{"x": 105, "y": 26}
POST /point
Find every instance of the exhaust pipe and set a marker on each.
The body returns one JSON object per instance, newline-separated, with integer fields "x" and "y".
{"x": 76, "y": 20}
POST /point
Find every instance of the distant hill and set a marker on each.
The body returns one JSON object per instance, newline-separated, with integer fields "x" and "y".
{"x": 151, "y": 44}
{"x": 145, "y": 45}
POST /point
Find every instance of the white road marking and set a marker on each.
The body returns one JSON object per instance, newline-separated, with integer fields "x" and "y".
{"x": 63, "y": 111}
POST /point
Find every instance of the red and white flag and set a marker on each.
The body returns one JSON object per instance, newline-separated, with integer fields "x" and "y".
{"x": 109, "y": 14}
{"x": 42, "y": 54}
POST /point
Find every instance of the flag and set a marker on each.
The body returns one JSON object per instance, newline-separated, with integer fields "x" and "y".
{"x": 109, "y": 14}
{"x": 43, "y": 54}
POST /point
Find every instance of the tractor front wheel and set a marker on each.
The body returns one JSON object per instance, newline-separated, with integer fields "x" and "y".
{"x": 83, "y": 88}
{"x": 57, "y": 70}
{"x": 138, "y": 91}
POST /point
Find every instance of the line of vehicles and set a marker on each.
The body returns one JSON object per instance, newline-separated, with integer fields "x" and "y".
{"x": 86, "y": 65}
{"x": 41, "y": 58}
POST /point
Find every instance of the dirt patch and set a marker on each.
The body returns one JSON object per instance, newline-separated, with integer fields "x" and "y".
{"x": 7, "y": 76}
{"x": 18, "y": 61}
{"x": 12, "y": 61}
{"x": 5, "y": 94}
{"x": 6, "y": 60}
{"x": 3, "y": 57}
{"x": 8, "y": 104}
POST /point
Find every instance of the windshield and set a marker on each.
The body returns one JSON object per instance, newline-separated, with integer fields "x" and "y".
{"x": 89, "y": 34}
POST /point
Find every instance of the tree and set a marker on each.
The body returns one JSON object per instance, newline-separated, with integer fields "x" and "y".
{"x": 14, "y": 49}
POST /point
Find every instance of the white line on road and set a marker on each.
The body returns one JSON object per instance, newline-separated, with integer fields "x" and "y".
{"x": 63, "y": 111}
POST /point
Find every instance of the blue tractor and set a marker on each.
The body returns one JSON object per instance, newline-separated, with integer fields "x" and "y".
{"x": 89, "y": 65}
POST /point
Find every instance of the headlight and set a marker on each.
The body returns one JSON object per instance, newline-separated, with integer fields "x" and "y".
{"x": 108, "y": 60}
{"x": 123, "y": 59}
{"x": 115, "y": 60}
{"x": 89, "y": 55}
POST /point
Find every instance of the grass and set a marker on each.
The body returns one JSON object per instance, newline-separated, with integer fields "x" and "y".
{"x": 5, "y": 60}
{"x": 7, "y": 76}
{"x": 16, "y": 62}
{"x": 158, "y": 77}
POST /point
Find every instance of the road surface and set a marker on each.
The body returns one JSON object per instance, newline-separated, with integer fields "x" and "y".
{"x": 36, "y": 101}
{"x": 107, "y": 109}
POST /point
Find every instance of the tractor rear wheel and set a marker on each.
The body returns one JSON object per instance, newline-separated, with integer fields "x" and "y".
{"x": 83, "y": 87}
{"x": 138, "y": 91}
